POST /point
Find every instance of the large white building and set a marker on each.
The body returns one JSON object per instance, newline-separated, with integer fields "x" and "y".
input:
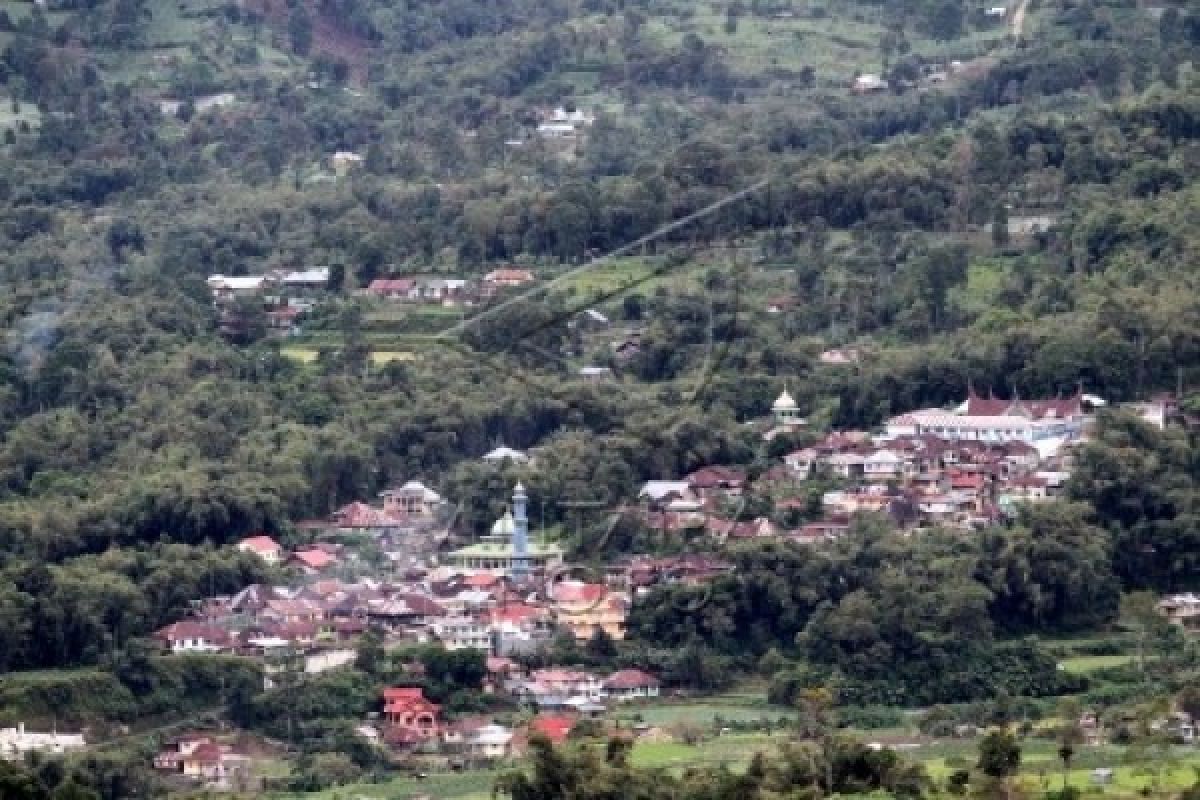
{"x": 1044, "y": 424}
{"x": 16, "y": 742}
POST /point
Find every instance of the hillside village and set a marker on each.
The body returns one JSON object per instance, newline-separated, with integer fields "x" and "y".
{"x": 509, "y": 595}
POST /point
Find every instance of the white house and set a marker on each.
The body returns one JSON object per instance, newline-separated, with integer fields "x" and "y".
{"x": 631, "y": 684}
{"x": 502, "y": 453}
{"x": 266, "y": 548}
{"x": 463, "y": 633}
{"x": 16, "y": 742}
{"x": 883, "y": 465}
{"x": 803, "y": 461}
{"x": 193, "y": 636}
{"x": 489, "y": 742}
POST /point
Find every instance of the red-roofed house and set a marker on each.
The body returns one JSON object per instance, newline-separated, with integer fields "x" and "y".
{"x": 507, "y": 278}
{"x": 584, "y": 608}
{"x": 264, "y": 547}
{"x": 555, "y": 727}
{"x": 728, "y": 480}
{"x": 394, "y": 288}
{"x": 193, "y": 636}
{"x": 408, "y": 710}
{"x": 631, "y": 684}
{"x": 362, "y": 518}
{"x": 312, "y": 561}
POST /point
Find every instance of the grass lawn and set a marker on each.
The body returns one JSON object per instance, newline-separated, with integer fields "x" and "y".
{"x": 734, "y": 750}
{"x": 308, "y": 355}
{"x": 1082, "y": 665}
{"x": 471, "y": 785}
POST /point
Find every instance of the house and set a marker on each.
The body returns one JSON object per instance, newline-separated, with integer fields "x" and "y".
{"x": 883, "y": 465}
{"x": 407, "y": 710}
{"x": 360, "y": 518}
{"x": 343, "y": 161}
{"x": 585, "y": 608}
{"x": 266, "y": 548}
{"x": 413, "y": 499}
{"x": 227, "y": 287}
{"x": 556, "y": 130}
{"x": 444, "y": 291}
{"x": 824, "y": 530}
{"x": 193, "y": 636}
{"x": 555, "y": 727}
{"x": 305, "y": 281}
{"x": 595, "y": 374}
{"x": 312, "y": 561}
{"x": 847, "y": 465}
{"x": 488, "y": 743}
{"x": 197, "y": 756}
{"x": 673, "y": 495}
{"x": 463, "y": 633}
{"x": 716, "y": 480}
{"x": 567, "y": 682}
{"x": 868, "y": 83}
{"x": 393, "y": 288}
{"x": 506, "y": 278}
{"x": 840, "y": 356}
{"x": 500, "y": 454}
{"x": 16, "y": 742}
{"x": 1182, "y": 609}
{"x": 631, "y": 684}
{"x": 803, "y": 461}
{"x": 778, "y": 305}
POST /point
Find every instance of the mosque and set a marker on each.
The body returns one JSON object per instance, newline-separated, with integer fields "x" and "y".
{"x": 506, "y": 552}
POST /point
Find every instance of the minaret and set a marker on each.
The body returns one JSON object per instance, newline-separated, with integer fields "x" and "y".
{"x": 520, "y": 539}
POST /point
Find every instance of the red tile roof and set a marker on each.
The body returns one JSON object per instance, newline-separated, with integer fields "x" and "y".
{"x": 386, "y": 285}
{"x": 260, "y": 544}
{"x": 631, "y": 679}
{"x": 555, "y": 727}
{"x": 313, "y": 559}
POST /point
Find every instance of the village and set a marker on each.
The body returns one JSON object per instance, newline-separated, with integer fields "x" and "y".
{"x": 396, "y": 568}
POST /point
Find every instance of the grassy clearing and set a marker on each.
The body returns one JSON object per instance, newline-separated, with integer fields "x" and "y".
{"x": 308, "y": 355}
{"x": 473, "y": 785}
{"x": 1082, "y": 665}
{"x": 734, "y": 750}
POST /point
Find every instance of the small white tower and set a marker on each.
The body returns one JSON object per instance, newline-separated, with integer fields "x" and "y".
{"x": 785, "y": 410}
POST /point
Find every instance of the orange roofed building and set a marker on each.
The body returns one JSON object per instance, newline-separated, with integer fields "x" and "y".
{"x": 409, "y": 711}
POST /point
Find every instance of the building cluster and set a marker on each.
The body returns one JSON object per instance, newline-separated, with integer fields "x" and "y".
{"x": 451, "y": 292}
{"x": 284, "y": 295}
{"x": 410, "y": 722}
{"x": 966, "y": 467}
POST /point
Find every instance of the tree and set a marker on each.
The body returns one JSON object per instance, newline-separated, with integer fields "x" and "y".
{"x": 370, "y": 656}
{"x": 601, "y": 647}
{"x": 946, "y": 21}
{"x": 300, "y": 30}
{"x": 1000, "y": 758}
{"x": 1139, "y": 612}
{"x": 1069, "y": 735}
{"x": 1000, "y": 226}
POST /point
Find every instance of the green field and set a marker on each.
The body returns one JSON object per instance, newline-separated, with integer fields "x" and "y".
{"x": 733, "y": 750}
{"x": 1082, "y": 665}
{"x": 472, "y": 785}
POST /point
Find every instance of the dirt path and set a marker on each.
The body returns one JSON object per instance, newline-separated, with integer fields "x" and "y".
{"x": 1018, "y": 20}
